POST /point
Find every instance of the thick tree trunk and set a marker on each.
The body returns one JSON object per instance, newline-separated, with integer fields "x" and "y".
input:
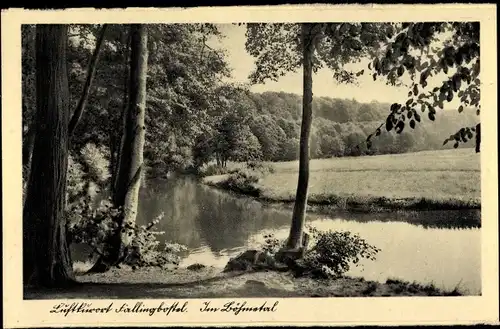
{"x": 299, "y": 211}
{"x": 46, "y": 257}
{"x": 29, "y": 144}
{"x": 126, "y": 193}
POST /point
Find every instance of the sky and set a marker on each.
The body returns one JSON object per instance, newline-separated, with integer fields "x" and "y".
{"x": 323, "y": 83}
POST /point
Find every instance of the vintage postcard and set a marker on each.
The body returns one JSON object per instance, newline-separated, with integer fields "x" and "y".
{"x": 280, "y": 165}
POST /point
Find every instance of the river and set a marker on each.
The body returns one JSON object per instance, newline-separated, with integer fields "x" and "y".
{"x": 443, "y": 247}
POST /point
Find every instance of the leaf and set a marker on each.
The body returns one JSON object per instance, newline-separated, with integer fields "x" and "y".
{"x": 446, "y": 141}
{"x": 400, "y": 71}
{"x": 400, "y": 127}
{"x": 460, "y": 109}
{"x": 388, "y": 123}
{"x": 394, "y": 107}
{"x": 410, "y": 94}
{"x": 415, "y": 90}
{"x": 376, "y": 64}
{"x": 431, "y": 116}
{"x": 455, "y": 145}
{"x": 417, "y": 116}
{"x": 412, "y": 124}
{"x": 378, "y": 132}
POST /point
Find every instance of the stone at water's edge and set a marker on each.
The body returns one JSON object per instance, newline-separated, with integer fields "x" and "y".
{"x": 253, "y": 260}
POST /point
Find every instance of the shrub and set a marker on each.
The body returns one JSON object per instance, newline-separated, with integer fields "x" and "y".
{"x": 331, "y": 253}
{"x": 96, "y": 160}
{"x": 272, "y": 244}
{"x": 242, "y": 181}
{"x": 212, "y": 170}
{"x": 75, "y": 179}
{"x": 97, "y": 227}
{"x": 146, "y": 250}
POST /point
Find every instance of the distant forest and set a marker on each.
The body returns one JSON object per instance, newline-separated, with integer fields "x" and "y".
{"x": 193, "y": 119}
{"x": 340, "y": 125}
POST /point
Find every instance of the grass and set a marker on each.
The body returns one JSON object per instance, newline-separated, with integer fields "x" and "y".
{"x": 448, "y": 179}
{"x": 209, "y": 282}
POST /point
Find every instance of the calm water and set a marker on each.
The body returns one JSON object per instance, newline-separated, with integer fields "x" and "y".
{"x": 441, "y": 247}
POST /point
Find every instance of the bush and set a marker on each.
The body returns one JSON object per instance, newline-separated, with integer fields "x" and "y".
{"x": 96, "y": 160}
{"x": 75, "y": 179}
{"x": 331, "y": 253}
{"x": 97, "y": 227}
{"x": 242, "y": 181}
{"x": 212, "y": 170}
{"x": 272, "y": 244}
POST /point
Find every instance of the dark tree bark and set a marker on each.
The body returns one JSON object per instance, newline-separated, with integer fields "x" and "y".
{"x": 299, "y": 211}
{"x": 126, "y": 194}
{"x": 28, "y": 145}
{"x": 88, "y": 82}
{"x": 30, "y": 140}
{"x": 46, "y": 257}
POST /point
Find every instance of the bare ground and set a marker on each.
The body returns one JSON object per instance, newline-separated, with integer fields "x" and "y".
{"x": 210, "y": 282}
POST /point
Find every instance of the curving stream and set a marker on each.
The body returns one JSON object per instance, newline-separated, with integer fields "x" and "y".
{"x": 443, "y": 247}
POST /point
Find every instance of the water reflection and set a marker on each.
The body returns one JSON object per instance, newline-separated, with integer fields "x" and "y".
{"x": 435, "y": 246}
{"x": 450, "y": 219}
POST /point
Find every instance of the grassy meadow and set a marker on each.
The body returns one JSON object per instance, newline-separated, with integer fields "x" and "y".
{"x": 447, "y": 179}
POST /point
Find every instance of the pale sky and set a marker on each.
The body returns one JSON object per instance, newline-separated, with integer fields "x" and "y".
{"x": 323, "y": 83}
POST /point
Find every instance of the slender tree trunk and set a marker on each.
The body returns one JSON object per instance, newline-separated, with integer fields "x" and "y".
{"x": 121, "y": 123}
{"x": 46, "y": 256}
{"x": 88, "y": 82}
{"x": 299, "y": 211}
{"x": 126, "y": 194}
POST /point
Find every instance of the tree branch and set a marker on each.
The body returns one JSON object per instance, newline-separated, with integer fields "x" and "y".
{"x": 86, "y": 88}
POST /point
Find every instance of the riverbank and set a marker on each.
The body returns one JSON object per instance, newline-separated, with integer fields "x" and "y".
{"x": 430, "y": 180}
{"x": 210, "y": 282}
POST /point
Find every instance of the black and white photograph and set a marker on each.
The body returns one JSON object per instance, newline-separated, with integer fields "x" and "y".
{"x": 233, "y": 167}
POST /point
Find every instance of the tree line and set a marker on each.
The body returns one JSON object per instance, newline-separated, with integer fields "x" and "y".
{"x": 268, "y": 129}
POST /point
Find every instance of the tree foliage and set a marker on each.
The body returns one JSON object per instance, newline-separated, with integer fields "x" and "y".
{"x": 441, "y": 62}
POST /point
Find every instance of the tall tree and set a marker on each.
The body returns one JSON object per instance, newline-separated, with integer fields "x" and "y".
{"x": 46, "y": 256}
{"x": 299, "y": 209}
{"x": 126, "y": 193}
{"x": 282, "y": 48}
